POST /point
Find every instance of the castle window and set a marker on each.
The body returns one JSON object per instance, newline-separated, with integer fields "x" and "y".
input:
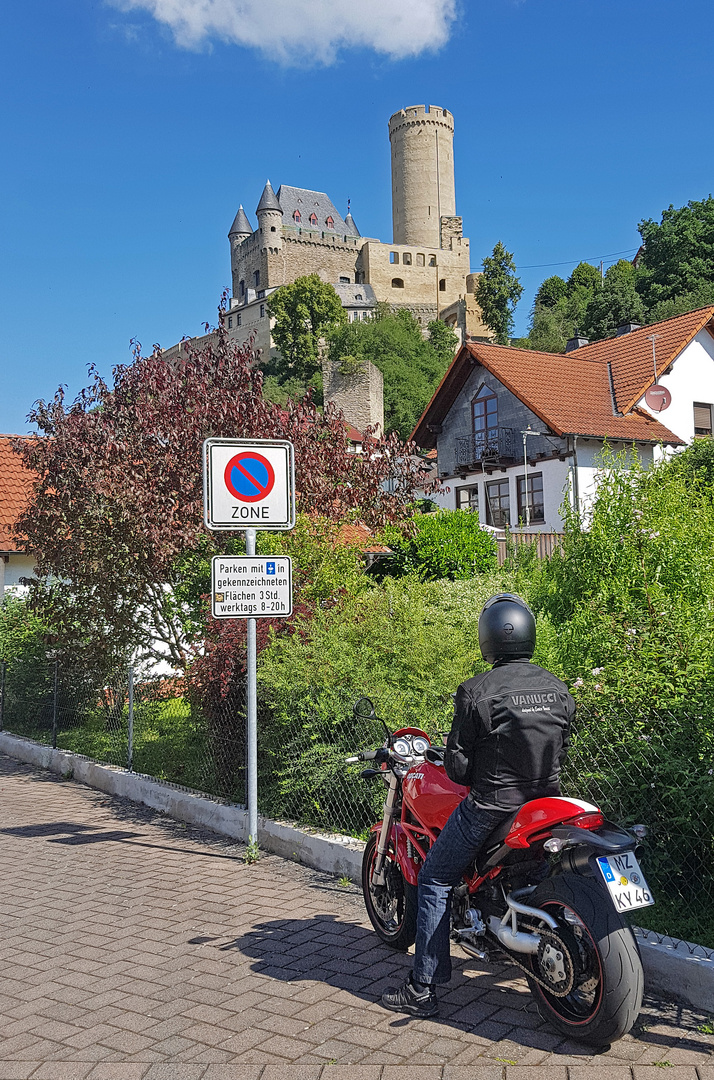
{"x": 432, "y": 260}
{"x": 297, "y": 217}
{"x": 272, "y": 228}
{"x": 442, "y": 284}
{"x": 344, "y": 281}
{"x": 239, "y": 320}
{"x": 330, "y": 222}
{"x": 359, "y": 296}
{"x": 407, "y": 258}
{"x": 313, "y": 219}
{"x": 256, "y": 279}
{"x": 394, "y": 256}
{"x": 397, "y": 283}
{"x": 241, "y": 288}
{"x": 420, "y": 260}
{"x": 261, "y": 293}
{"x": 262, "y": 311}
{"x": 230, "y": 322}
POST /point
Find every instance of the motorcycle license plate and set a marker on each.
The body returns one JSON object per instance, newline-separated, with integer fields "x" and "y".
{"x": 625, "y": 881}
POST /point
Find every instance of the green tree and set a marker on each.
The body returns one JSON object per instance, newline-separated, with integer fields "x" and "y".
{"x": 411, "y": 365}
{"x": 498, "y": 290}
{"x": 304, "y": 312}
{"x": 616, "y": 303}
{"x": 676, "y": 267}
{"x": 559, "y": 308}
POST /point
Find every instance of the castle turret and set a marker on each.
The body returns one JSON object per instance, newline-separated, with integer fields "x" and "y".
{"x": 423, "y": 191}
{"x": 241, "y": 228}
{"x": 352, "y": 229}
{"x": 270, "y": 221}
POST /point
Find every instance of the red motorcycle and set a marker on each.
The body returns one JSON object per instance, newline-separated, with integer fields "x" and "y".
{"x": 548, "y": 891}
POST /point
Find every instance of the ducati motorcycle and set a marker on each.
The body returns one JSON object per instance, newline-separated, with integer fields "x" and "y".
{"x": 548, "y": 892}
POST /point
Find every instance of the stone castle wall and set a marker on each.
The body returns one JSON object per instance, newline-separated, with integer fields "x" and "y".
{"x": 358, "y": 394}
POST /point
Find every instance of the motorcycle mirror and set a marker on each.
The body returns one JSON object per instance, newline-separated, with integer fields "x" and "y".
{"x": 364, "y": 708}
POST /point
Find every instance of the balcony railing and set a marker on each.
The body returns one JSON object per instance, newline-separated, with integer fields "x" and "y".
{"x": 486, "y": 447}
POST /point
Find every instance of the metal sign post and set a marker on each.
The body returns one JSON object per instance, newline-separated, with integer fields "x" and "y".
{"x": 249, "y": 484}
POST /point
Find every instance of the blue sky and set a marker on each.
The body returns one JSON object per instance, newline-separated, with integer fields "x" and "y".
{"x": 131, "y": 130}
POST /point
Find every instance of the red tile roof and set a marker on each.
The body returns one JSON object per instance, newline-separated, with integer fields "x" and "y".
{"x": 572, "y": 392}
{"x": 15, "y": 481}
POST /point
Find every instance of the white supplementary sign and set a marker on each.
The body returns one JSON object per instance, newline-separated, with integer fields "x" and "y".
{"x": 248, "y": 484}
{"x": 251, "y": 587}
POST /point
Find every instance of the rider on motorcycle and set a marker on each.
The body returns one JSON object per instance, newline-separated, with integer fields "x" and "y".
{"x": 508, "y": 742}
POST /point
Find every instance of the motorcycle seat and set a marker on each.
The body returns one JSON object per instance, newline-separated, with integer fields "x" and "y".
{"x": 499, "y": 834}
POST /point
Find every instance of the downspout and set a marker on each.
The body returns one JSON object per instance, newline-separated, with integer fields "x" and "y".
{"x": 576, "y": 482}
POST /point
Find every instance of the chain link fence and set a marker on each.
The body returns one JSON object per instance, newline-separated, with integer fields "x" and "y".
{"x": 655, "y": 768}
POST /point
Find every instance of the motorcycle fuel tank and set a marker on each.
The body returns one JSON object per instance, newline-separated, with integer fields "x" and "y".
{"x": 430, "y": 795}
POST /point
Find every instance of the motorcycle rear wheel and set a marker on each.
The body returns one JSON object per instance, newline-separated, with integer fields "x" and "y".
{"x": 607, "y": 998}
{"x": 392, "y": 907}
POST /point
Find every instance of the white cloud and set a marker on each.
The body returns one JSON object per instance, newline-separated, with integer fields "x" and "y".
{"x": 306, "y": 31}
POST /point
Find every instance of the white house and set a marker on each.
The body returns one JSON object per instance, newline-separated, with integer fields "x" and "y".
{"x": 517, "y": 431}
{"x": 14, "y": 483}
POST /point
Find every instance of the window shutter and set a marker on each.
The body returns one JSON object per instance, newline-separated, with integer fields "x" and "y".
{"x": 702, "y": 417}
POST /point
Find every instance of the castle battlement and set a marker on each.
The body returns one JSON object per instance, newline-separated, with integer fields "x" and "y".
{"x": 420, "y": 114}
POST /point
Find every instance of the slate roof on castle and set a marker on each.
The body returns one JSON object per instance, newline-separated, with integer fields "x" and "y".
{"x": 304, "y": 200}
{"x": 15, "y": 481}
{"x": 591, "y": 391}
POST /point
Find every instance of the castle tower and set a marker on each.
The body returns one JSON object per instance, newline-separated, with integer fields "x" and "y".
{"x": 270, "y": 219}
{"x": 423, "y": 191}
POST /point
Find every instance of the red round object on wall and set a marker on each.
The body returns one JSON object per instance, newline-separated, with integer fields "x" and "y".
{"x": 658, "y": 398}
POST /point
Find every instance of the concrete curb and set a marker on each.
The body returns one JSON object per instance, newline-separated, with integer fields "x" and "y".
{"x": 674, "y": 969}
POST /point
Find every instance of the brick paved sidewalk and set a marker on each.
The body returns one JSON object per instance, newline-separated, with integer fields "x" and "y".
{"x": 135, "y": 948}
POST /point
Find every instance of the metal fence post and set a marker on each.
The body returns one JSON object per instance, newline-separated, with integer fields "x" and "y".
{"x": 2, "y": 694}
{"x": 54, "y": 705}
{"x": 130, "y": 732}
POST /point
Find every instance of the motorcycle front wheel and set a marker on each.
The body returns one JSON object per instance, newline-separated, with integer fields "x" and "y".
{"x": 392, "y": 907}
{"x": 607, "y": 995}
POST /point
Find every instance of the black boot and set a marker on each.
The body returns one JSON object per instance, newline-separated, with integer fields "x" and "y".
{"x": 408, "y": 999}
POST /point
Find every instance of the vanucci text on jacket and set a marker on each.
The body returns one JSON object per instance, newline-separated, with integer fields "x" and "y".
{"x": 510, "y": 735}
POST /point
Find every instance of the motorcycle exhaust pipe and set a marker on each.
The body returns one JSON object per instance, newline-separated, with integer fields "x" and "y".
{"x": 510, "y": 936}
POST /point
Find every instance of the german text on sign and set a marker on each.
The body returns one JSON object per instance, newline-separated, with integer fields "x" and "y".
{"x": 251, "y": 587}
{"x": 248, "y": 484}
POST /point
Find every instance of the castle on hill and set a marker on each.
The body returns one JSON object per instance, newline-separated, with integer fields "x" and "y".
{"x": 426, "y": 268}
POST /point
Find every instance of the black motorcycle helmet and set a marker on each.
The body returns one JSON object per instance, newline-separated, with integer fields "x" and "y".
{"x": 506, "y": 629}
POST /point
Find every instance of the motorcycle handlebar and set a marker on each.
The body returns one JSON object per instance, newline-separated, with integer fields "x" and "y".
{"x": 377, "y": 755}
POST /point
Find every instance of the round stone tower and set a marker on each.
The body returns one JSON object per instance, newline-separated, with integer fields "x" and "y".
{"x": 423, "y": 193}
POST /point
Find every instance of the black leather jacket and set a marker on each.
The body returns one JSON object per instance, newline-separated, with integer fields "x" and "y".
{"x": 510, "y": 735}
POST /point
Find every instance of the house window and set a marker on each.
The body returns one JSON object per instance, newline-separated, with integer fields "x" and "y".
{"x": 407, "y": 258}
{"x": 485, "y": 419}
{"x": 256, "y": 279}
{"x": 330, "y": 222}
{"x": 397, "y": 283}
{"x": 262, "y": 311}
{"x": 420, "y": 260}
{"x": 239, "y": 320}
{"x": 467, "y": 499}
{"x": 442, "y": 284}
{"x": 498, "y": 504}
{"x": 535, "y": 498}
{"x": 313, "y": 219}
{"x": 432, "y": 260}
{"x": 702, "y": 420}
{"x": 297, "y": 217}
{"x": 394, "y": 256}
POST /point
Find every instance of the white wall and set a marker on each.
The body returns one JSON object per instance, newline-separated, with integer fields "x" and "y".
{"x": 691, "y": 379}
{"x": 556, "y": 483}
{"x": 588, "y": 452}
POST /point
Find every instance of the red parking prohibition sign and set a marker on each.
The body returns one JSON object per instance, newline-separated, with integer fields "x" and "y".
{"x": 249, "y": 476}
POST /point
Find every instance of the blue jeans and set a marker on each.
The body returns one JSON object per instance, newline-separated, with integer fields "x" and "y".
{"x": 454, "y": 850}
